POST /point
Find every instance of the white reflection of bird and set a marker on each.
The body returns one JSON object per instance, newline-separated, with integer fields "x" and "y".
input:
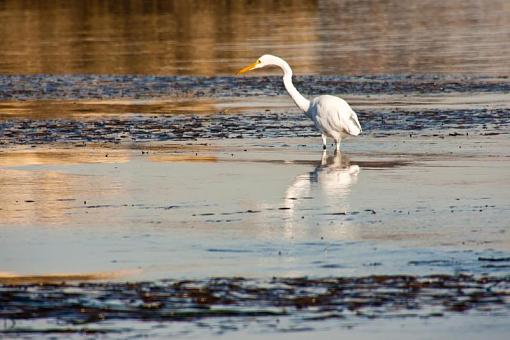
{"x": 334, "y": 175}
{"x": 332, "y": 116}
{"x": 323, "y": 190}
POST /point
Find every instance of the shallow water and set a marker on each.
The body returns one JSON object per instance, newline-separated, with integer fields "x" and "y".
{"x": 218, "y": 37}
{"x": 250, "y": 210}
{"x": 260, "y": 203}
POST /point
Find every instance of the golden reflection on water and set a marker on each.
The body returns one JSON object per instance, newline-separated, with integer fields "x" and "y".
{"x": 217, "y": 37}
{"x": 48, "y": 109}
{"x": 36, "y": 197}
{"x": 42, "y": 196}
{"x": 183, "y": 158}
{"x": 16, "y": 279}
{"x": 13, "y": 158}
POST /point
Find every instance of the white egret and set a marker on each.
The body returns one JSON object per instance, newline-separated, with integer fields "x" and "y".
{"x": 332, "y": 116}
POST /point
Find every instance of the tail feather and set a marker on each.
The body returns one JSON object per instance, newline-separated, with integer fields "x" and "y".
{"x": 354, "y": 125}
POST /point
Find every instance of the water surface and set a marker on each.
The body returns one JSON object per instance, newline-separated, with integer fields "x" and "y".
{"x": 217, "y": 37}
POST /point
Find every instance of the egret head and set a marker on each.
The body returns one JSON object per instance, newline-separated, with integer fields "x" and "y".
{"x": 263, "y": 61}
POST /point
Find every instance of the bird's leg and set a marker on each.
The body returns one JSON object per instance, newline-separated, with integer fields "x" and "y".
{"x": 324, "y": 141}
{"x": 338, "y": 144}
{"x": 324, "y": 157}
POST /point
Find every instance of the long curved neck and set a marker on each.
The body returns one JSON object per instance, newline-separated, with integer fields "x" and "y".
{"x": 301, "y": 102}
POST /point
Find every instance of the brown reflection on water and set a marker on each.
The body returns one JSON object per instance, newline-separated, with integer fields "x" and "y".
{"x": 16, "y": 279}
{"x": 183, "y": 158}
{"x": 48, "y": 109}
{"x": 217, "y": 37}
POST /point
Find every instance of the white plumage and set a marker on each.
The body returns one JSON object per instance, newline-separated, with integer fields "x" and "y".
{"x": 332, "y": 116}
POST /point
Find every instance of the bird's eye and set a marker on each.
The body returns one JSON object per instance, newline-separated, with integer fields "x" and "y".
{"x": 258, "y": 61}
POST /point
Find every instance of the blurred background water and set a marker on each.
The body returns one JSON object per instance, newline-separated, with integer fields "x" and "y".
{"x": 217, "y": 37}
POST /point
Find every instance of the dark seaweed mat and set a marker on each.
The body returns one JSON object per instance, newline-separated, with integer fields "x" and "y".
{"x": 257, "y": 125}
{"x": 306, "y": 299}
{"x": 30, "y": 87}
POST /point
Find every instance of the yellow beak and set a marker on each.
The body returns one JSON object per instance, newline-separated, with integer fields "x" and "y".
{"x": 247, "y": 68}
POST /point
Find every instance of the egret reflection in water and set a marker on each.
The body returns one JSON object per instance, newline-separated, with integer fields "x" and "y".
{"x": 326, "y": 188}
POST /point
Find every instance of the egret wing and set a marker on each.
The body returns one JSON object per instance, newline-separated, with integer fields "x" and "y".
{"x": 337, "y": 115}
{"x": 353, "y": 123}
